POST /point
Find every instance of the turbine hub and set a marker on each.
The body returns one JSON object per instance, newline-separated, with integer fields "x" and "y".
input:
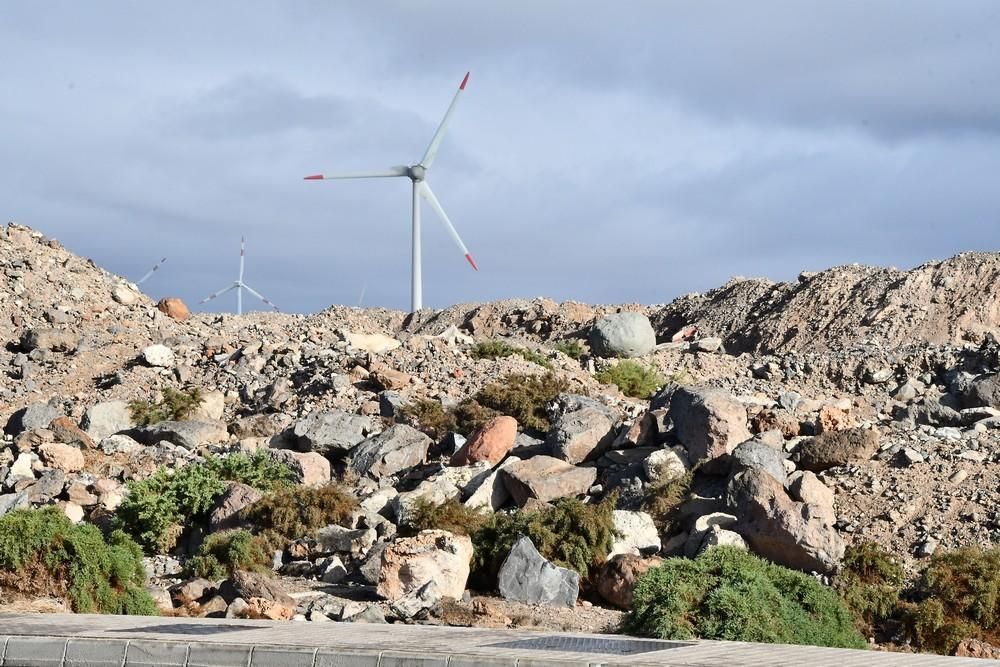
{"x": 417, "y": 172}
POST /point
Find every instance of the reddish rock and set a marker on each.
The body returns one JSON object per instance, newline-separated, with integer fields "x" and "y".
{"x": 267, "y": 609}
{"x": 431, "y": 555}
{"x": 491, "y": 443}
{"x": 974, "y": 648}
{"x": 834, "y": 419}
{"x": 67, "y": 432}
{"x": 709, "y": 422}
{"x": 775, "y": 420}
{"x": 617, "y": 579}
{"x": 174, "y": 308}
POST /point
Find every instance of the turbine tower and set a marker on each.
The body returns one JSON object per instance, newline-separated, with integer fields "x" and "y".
{"x": 239, "y": 285}
{"x": 417, "y": 173}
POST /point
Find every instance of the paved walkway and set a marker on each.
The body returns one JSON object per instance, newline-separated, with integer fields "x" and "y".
{"x": 78, "y": 640}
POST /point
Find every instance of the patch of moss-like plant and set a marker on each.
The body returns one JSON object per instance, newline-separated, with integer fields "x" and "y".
{"x": 870, "y": 582}
{"x": 470, "y": 416}
{"x": 429, "y": 416}
{"x": 292, "y": 512}
{"x": 223, "y": 553}
{"x": 524, "y": 397}
{"x": 156, "y": 510}
{"x": 571, "y": 534}
{"x": 664, "y": 498}
{"x": 729, "y": 594}
{"x": 43, "y": 553}
{"x": 450, "y": 515}
{"x": 571, "y": 347}
{"x": 497, "y": 349}
{"x": 634, "y": 379}
{"x": 175, "y": 406}
{"x": 959, "y": 594}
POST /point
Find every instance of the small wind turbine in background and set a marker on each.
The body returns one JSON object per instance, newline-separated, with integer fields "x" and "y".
{"x": 417, "y": 173}
{"x": 150, "y": 273}
{"x": 239, "y": 285}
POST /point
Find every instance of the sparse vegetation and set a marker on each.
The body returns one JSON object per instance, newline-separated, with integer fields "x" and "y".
{"x": 470, "y": 416}
{"x": 870, "y": 582}
{"x": 157, "y": 509}
{"x": 571, "y": 534}
{"x": 176, "y": 405}
{"x": 43, "y": 553}
{"x": 450, "y": 515}
{"x": 496, "y": 349}
{"x": 524, "y": 397}
{"x": 571, "y": 347}
{"x": 634, "y": 379}
{"x": 729, "y": 594}
{"x": 223, "y": 553}
{"x": 663, "y": 499}
{"x": 429, "y": 416}
{"x": 959, "y": 595}
{"x": 291, "y": 512}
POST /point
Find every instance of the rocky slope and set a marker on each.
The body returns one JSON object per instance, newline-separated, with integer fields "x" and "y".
{"x": 857, "y": 403}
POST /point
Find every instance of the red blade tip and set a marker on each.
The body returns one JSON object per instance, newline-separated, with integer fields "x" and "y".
{"x": 471, "y": 261}
{"x": 464, "y": 81}
{"x": 314, "y": 177}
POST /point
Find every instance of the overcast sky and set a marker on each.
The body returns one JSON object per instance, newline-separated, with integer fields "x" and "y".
{"x": 603, "y": 152}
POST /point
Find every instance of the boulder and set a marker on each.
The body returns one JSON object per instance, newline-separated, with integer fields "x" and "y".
{"x": 490, "y": 492}
{"x": 832, "y": 418}
{"x": 622, "y": 335}
{"x": 581, "y": 434}
{"x": 394, "y": 450}
{"x": 334, "y": 539}
{"x": 333, "y": 571}
{"x": 187, "y": 434}
{"x": 806, "y": 487}
{"x": 333, "y": 432}
{"x": 371, "y": 343}
{"x": 310, "y": 468}
{"x": 794, "y": 534}
{"x": 720, "y": 537}
{"x": 211, "y": 407}
{"x": 836, "y": 448}
{"x": 263, "y": 608}
{"x": 173, "y": 308}
{"x": 665, "y": 465}
{"x": 975, "y": 648}
{"x": 637, "y": 533}
{"x": 13, "y": 501}
{"x": 265, "y": 425}
{"x": 387, "y": 377}
{"x": 53, "y": 340}
{"x": 249, "y": 585}
{"x": 226, "y": 512}
{"x": 984, "y": 391}
{"x": 708, "y": 422}
{"x": 776, "y": 420}
{"x": 418, "y": 603}
{"x": 491, "y": 443}
{"x": 755, "y": 454}
{"x": 124, "y": 294}
{"x": 442, "y": 487}
{"x": 431, "y": 555}
{"x": 526, "y": 576}
{"x": 158, "y": 356}
{"x": 32, "y": 417}
{"x": 107, "y": 418}
{"x": 66, "y": 458}
{"x": 67, "y": 432}
{"x": 546, "y": 478}
{"x": 619, "y": 575}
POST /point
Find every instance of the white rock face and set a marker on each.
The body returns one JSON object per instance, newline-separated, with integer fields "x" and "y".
{"x": 638, "y": 533}
{"x": 158, "y": 356}
{"x": 372, "y": 343}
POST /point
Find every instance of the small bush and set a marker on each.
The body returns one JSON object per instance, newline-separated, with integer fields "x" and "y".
{"x": 729, "y": 594}
{"x": 223, "y": 553}
{"x": 664, "y": 498}
{"x": 571, "y": 534}
{"x": 633, "y": 378}
{"x": 524, "y": 397}
{"x": 571, "y": 347}
{"x": 960, "y": 593}
{"x": 292, "y": 512}
{"x": 450, "y": 515}
{"x": 496, "y": 349}
{"x": 156, "y": 509}
{"x": 176, "y": 406}
{"x": 870, "y": 582}
{"x": 43, "y": 553}
{"x": 470, "y": 416}
{"x": 428, "y": 416}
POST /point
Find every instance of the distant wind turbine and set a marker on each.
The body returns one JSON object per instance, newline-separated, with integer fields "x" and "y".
{"x": 417, "y": 173}
{"x": 239, "y": 285}
{"x": 151, "y": 272}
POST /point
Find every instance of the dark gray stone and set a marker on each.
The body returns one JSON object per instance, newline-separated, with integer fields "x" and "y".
{"x": 36, "y": 415}
{"x": 186, "y": 434}
{"x": 335, "y": 432}
{"x": 581, "y": 435}
{"x": 389, "y": 403}
{"x": 754, "y": 454}
{"x": 394, "y": 450}
{"x": 13, "y": 501}
{"x": 527, "y": 577}
{"x": 984, "y": 391}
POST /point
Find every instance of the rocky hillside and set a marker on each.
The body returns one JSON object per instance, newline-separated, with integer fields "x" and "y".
{"x": 370, "y": 465}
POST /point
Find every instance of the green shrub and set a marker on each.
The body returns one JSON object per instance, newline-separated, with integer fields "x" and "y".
{"x": 634, "y": 379}
{"x": 664, "y": 498}
{"x": 570, "y": 533}
{"x": 870, "y": 582}
{"x": 960, "y": 593}
{"x": 450, "y": 515}
{"x": 428, "y": 416}
{"x": 729, "y": 594}
{"x": 496, "y": 349}
{"x": 175, "y": 406}
{"x": 156, "y": 509}
{"x": 524, "y": 397}
{"x": 291, "y": 512}
{"x": 470, "y": 416}
{"x": 223, "y": 553}
{"x": 43, "y": 553}
{"x": 571, "y": 347}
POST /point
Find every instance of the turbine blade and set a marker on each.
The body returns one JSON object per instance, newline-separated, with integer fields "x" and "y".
{"x": 381, "y": 173}
{"x": 151, "y": 272}
{"x": 428, "y": 159}
{"x": 428, "y": 194}
{"x": 257, "y": 294}
{"x": 218, "y": 294}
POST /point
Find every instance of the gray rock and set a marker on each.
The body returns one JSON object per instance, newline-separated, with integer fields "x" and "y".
{"x": 334, "y": 432}
{"x": 54, "y": 340}
{"x": 335, "y": 539}
{"x": 935, "y": 413}
{"x": 392, "y": 451}
{"x": 372, "y": 564}
{"x": 372, "y": 614}
{"x": 119, "y": 444}
{"x": 581, "y": 435}
{"x": 187, "y": 434}
{"x": 546, "y": 478}
{"x": 226, "y": 512}
{"x": 708, "y": 344}
{"x": 333, "y": 571}
{"x": 389, "y": 403}
{"x": 417, "y": 603}
{"x": 755, "y": 454}
{"x": 50, "y": 484}
{"x": 527, "y": 577}
{"x": 622, "y": 335}
{"x": 13, "y": 501}
{"x": 636, "y": 533}
{"x": 34, "y": 416}
{"x": 107, "y": 418}
{"x": 984, "y": 391}
{"x": 709, "y": 423}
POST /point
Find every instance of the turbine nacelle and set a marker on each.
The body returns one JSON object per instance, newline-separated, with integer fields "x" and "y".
{"x": 417, "y": 172}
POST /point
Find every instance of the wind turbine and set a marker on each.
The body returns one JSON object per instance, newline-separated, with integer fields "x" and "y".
{"x": 239, "y": 285}
{"x": 149, "y": 273}
{"x": 417, "y": 173}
